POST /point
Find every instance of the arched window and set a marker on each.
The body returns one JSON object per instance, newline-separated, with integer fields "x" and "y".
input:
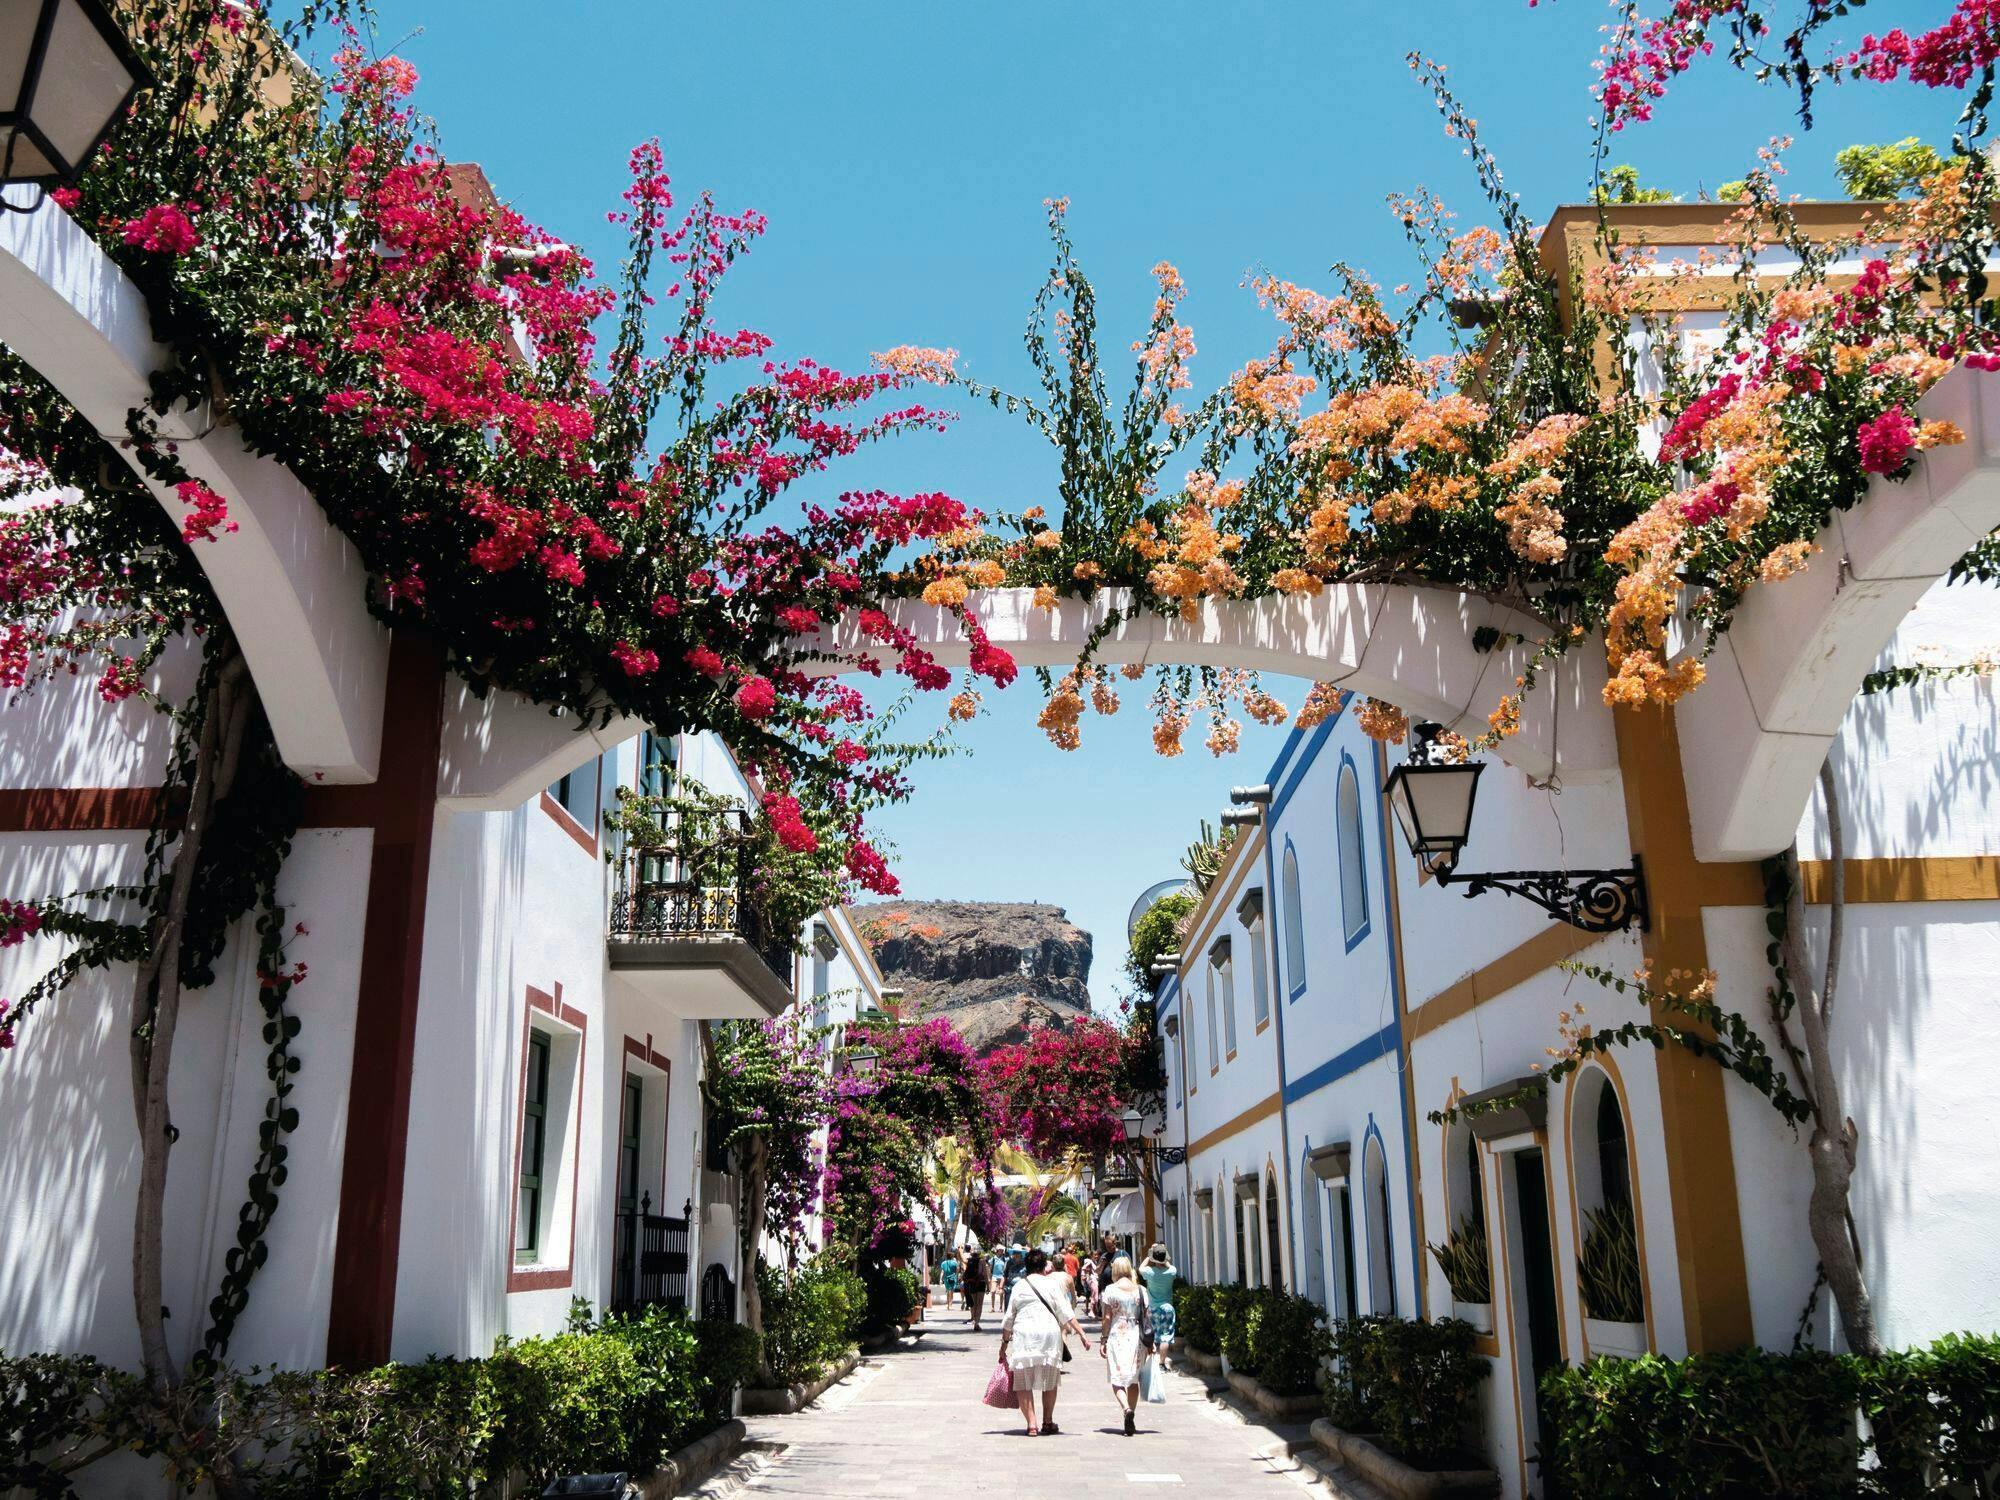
{"x": 1295, "y": 924}
{"x": 1465, "y": 1216}
{"x": 1312, "y": 1234}
{"x": 1274, "y": 1243}
{"x": 1353, "y": 855}
{"x": 1610, "y": 1280}
{"x": 1375, "y": 1205}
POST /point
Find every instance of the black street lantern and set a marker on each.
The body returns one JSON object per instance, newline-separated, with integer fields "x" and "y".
{"x": 1432, "y": 795}
{"x": 67, "y": 72}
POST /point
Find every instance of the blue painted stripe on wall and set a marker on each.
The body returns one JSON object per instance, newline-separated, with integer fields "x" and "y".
{"x": 1337, "y": 1067}
{"x": 1313, "y": 746}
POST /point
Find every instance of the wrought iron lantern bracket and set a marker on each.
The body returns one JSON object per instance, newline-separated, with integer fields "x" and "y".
{"x": 1591, "y": 900}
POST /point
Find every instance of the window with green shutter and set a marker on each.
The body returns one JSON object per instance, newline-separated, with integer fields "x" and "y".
{"x": 534, "y": 1143}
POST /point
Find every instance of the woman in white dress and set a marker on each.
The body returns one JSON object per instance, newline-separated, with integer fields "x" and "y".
{"x": 1120, "y": 1305}
{"x": 1031, "y": 1338}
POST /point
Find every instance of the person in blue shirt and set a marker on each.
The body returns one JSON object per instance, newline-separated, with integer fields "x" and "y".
{"x": 1159, "y": 1275}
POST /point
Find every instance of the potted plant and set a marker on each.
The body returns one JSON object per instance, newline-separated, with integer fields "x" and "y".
{"x": 1607, "y": 1274}
{"x": 1466, "y": 1265}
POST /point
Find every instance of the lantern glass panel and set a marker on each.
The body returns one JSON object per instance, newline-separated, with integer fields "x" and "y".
{"x": 1399, "y": 803}
{"x": 1441, "y": 806}
{"x": 84, "y": 82}
{"x": 17, "y": 37}
{"x": 21, "y": 159}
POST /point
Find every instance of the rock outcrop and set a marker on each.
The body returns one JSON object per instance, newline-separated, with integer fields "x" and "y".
{"x": 995, "y": 967}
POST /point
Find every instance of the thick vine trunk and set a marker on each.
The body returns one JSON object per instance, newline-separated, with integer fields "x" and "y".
{"x": 755, "y": 1190}
{"x": 156, "y": 1004}
{"x": 1834, "y": 1142}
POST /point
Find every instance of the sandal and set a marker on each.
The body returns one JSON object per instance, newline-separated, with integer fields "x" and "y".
{"x": 1049, "y": 1428}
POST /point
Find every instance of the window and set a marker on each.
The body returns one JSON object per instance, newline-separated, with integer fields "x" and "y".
{"x": 1295, "y": 925}
{"x": 1214, "y": 1052}
{"x": 1381, "y": 1258}
{"x": 631, "y": 1117}
{"x": 576, "y": 794}
{"x": 1251, "y": 912}
{"x": 1273, "y": 1235}
{"x": 1614, "y": 1167}
{"x": 656, "y": 764}
{"x": 1344, "y": 1205}
{"x": 1221, "y": 979}
{"x": 528, "y": 1224}
{"x": 1312, "y": 1233}
{"x": 1242, "y": 1258}
{"x": 1353, "y": 855}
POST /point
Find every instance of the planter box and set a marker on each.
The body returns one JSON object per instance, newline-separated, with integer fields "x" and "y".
{"x": 1195, "y": 1359}
{"x": 688, "y": 1466}
{"x": 1358, "y": 1453}
{"x": 1478, "y": 1314}
{"x": 1619, "y": 1340}
{"x": 781, "y": 1400}
{"x": 1270, "y": 1403}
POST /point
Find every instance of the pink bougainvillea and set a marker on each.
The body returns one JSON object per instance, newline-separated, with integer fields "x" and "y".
{"x": 163, "y": 229}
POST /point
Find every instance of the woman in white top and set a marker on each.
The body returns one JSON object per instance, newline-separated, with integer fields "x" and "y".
{"x": 1120, "y": 1305}
{"x": 1031, "y": 1338}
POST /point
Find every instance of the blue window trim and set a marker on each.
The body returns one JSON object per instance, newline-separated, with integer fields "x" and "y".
{"x": 1292, "y": 899}
{"x": 1360, "y": 934}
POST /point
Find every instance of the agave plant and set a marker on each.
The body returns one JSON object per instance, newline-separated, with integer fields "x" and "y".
{"x": 1204, "y": 857}
{"x": 1465, "y": 1262}
{"x": 1607, "y": 1272}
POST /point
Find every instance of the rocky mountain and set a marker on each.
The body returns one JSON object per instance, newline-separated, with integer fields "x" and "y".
{"x": 995, "y": 967}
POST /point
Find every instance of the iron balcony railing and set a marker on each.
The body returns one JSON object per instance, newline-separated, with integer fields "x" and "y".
{"x": 696, "y": 885}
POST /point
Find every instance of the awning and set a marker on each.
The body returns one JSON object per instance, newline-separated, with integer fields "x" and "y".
{"x": 1126, "y": 1216}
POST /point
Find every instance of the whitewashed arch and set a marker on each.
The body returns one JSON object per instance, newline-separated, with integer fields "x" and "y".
{"x": 291, "y": 585}
{"x": 1779, "y": 683}
{"x": 1412, "y": 646}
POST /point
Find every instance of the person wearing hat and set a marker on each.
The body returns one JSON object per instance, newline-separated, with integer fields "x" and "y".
{"x": 1159, "y": 1275}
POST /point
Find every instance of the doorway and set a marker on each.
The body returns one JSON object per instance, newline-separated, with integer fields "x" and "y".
{"x": 1537, "y": 1318}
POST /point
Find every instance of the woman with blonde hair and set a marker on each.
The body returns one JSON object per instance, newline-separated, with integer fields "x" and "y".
{"x": 1122, "y": 1306}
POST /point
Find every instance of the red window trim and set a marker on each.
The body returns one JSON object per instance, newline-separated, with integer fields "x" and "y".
{"x": 546, "y": 1278}
{"x": 586, "y": 838}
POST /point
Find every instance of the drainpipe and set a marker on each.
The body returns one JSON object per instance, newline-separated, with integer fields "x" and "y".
{"x": 1260, "y": 798}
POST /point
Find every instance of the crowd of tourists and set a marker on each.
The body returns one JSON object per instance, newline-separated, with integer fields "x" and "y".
{"x": 1043, "y": 1296}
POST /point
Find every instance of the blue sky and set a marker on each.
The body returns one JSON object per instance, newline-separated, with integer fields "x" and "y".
{"x": 902, "y": 153}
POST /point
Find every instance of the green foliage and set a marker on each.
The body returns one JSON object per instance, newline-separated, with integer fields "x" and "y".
{"x": 1753, "y": 1422}
{"x": 1607, "y": 1268}
{"x": 1155, "y": 934}
{"x": 1194, "y": 1317}
{"x": 1466, "y": 1262}
{"x": 1893, "y": 171}
{"x": 1287, "y": 1342}
{"x": 1413, "y": 1383}
{"x": 622, "y": 1394}
{"x": 1742, "y": 1423}
{"x": 1620, "y": 184}
{"x": 1238, "y": 1310}
{"x": 810, "y": 1320}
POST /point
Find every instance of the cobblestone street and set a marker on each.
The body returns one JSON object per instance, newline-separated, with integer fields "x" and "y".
{"x": 910, "y": 1422}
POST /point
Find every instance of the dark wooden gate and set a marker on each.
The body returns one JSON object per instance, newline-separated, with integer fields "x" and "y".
{"x": 650, "y": 1267}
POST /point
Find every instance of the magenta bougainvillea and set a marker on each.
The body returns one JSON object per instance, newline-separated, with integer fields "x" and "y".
{"x": 1062, "y": 1092}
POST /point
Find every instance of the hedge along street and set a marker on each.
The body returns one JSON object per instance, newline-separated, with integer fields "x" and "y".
{"x": 913, "y": 1416}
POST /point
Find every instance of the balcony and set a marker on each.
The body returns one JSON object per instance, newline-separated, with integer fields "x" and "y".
{"x": 682, "y": 933}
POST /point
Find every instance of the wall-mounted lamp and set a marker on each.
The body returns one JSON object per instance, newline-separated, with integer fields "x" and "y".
{"x": 1432, "y": 794}
{"x": 70, "y": 73}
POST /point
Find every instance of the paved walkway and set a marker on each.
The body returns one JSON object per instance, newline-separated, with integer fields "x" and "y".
{"x": 910, "y": 1422}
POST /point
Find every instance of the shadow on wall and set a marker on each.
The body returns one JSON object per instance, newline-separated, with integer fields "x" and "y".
{"x": 62, "y": 734}
{"x": 456, "y": 1249}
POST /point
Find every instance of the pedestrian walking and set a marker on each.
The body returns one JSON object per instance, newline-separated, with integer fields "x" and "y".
{"x": 1122, "y": 1307}
{"x": 1160, "y": 1276}
{"x": 977, "y": 1273}
{"x": 997, "y": 1264}
{"x": 948, "y": 1275}
{"x": 1072, "y": 1261}
{"x": 1017, "y": 1265}
{"x": 1031, "y": 1339}
{"x": 1090, "y": 1283}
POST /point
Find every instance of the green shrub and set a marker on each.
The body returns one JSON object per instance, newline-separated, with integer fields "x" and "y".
{"x": 1194, "y": 1317}
{"x": 1288, "y": 1343}
{"x": 397, "y": 1431}
{"x": 1237, "y": 1310}
{"x": 729, "y": 1357}
{"x": 1757, "y": 1423}
{"x": 1744, "y": 1423}
{"x": 810, "y": 1322}
{"x": 52, "y": 1406}
{"x": 1411, "y": 1382}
